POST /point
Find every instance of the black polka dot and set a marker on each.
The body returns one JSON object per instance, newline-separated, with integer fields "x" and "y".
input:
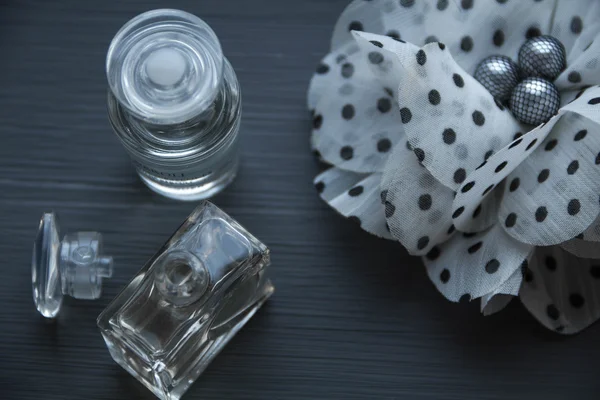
{"x": 478, "y": 118}
{"x": 576, "y": 25}
{"x": 477, "y": 211}
{"x": 383, "y": 196}
{"x": 573, "y": 167}
{"x": 543, "y": 175}
{"x": 458, "y": 80}
{"x": 434, "y": 254}
{"x": 422, "y": 242}
{"x": 389, "y": 92}
{"x": 501, "y": 166}
{"x": 390, "y": 209}
{"x": 598, "y": 159}
{"x": 474, "y": 248}
{"x": 498, "y": 38}
{"x": 540, "y": 214}
{"x": 457, "y": 213}
{"x": 405, "y": 115}
{"x": 434, "y": 97}
{"x": 517, "y": 135}
{"x": 375, "y": 57}
{"x": 487, "y": 190}
{"x": 466, "y": 44}
{"x": 421, "y": 57}
{"x": 346, "y": 152}
{"x": 532, "y": 32}
{"x": 355, "y": 26}
{"x": 395, "y": 35}
{"x": 465, "y": 298}
{"x": 551, "y": 145}
{"x": 530, "y": 145}
{"x": 467, "y": 187}
{"x": 347, "y": 70}
{"x": 594, "y": 101}
{"x": 322, "y": 69}
{"x": 552, "y": 312}
{"x": 492, "y": 266}
{"x": 348, "y": 112}
{"x": 407, "y": 3}
{"x": 515, "y": 143}
{"x": 511, "y": 220}
{"x": 445, "y": 276}
{"x": 451, "y": 230}
{"x": 460, "y": 175}
{"x": 376, "y": 43}
{"x": 466, "y": 4}
{"x": 595, "y": 271}
{"x": 526, "y": 271}
{"x": 449, "y": 136}
{"x": 431, "y": 39}
{"x": 580, "y": 135}
{"x": 425, "y": 202}
{"x": 442, "y": 5}
{"x": 441, "y": 45}
{"x": 514, "y": 184}
{"x": 576, "y": 300}
{"x": 384, "y": 145}
{"x": 355, "y": 219}
{"x": 356, "y": 191}
{"x": 574, "y": 77}
{"x": 317, "y": 121}
{"x": 320, "y": 186}
{"x": 574, "y": 207}
{"x": 550, "y": 263}
{"x": 468, "y": 235}
{"x": 420, "y": 154}
{"x": 384, "y": 105}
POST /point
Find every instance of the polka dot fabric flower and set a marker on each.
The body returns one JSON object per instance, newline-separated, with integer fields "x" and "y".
{"x": 422, "y": 153}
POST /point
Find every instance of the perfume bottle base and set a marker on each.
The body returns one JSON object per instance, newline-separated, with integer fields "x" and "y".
{"x": 199, "y": 189}
{"x": 158, "y": 381}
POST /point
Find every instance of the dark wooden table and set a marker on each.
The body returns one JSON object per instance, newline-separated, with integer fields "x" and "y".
{"x": 353, "y": 317}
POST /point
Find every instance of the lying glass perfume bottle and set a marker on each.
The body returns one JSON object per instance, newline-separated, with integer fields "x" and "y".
{"x": 175, "y": 103}
{"x": 74, "y": 266}
{"x": 187, "y": 302}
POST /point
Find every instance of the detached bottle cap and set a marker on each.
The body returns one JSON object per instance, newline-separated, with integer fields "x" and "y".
{"x": 74, "y": 266}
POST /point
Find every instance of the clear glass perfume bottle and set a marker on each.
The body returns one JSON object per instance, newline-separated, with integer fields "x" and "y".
{"x": 175, "y": 103}
{"x": 74, "y": 266}
{"x": 188, "y": 301}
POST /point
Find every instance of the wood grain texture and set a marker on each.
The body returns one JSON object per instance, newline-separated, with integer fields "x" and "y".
{"x": 353, "y": 317}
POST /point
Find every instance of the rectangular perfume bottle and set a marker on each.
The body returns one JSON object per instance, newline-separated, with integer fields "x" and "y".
{"x": 187, "y": 302}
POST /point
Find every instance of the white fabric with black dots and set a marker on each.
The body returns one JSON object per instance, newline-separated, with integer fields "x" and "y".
{"x": 468, "y": 267}
{"x": 415, "y": 203}
{"x": 355, "y": 196}
{"x": 421, "y": 152}
{"x": 562, "y": 291}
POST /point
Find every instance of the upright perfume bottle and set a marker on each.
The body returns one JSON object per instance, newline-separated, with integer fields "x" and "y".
{"x": 188, "y": 301}
{"x": 175, "y": 103}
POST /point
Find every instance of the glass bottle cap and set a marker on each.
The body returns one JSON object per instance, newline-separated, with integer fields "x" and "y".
{"x": 165, "y": 66}
{"x": 45, "y": 276}
{"x": 74, "y": 266}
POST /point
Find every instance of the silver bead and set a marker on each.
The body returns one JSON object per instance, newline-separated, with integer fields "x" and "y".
{"x": 534, "y": 101}
{"x": 499, "y": 75}
{"x": 543, "y": 56}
